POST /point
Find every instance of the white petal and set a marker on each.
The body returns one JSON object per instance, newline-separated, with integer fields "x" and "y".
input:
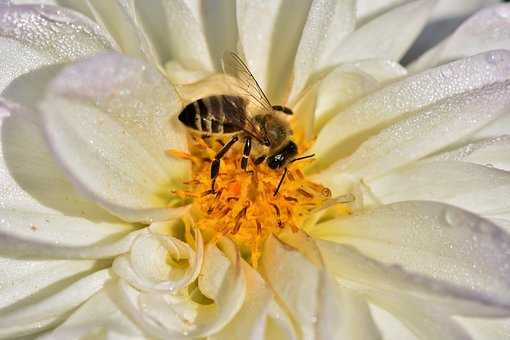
{"x": 23, "y": 278}
{"x": 119, "y": 116}
{"x": 55, "y": 236}
{"x": 186, "y": 36}
{"x": 148, "y": 268}
{"x": 447, "y": 16}
{"x": 220, "y": 27}
{"x": 99, "y": 316}
{"x": 328, "y": 22}
{"x": 499, "y": 127}
{"x": 371, "y": 8}
{"x": 45, "y": 2}
{"x": 485, "y": 31}
{"x": 50, "y": 305}
{"x": 159, "y": 31}
{"x": 389, "y": 325}
{"x": 425, "y": 132}
{"x": 269, "y": 33}
{"x": 251, "y": 318}
{"x": 16, "y": 59}
{"x": 426, "y": 320}
{"x": 486, "y": 329}
{"x": 384, "y": 71}
{"x": 358, "y": 323}
{"x": 344, "y": 133}
{"x": 470, "y": 186}
{"x": 339, "y": 89}
{"x": 32, "y": 35}
{"x": 446, "y": 253}
{"x": 307, "y": 291}
{"x": 41, "y": 212}
{"x": 384, "y": 284}
{"x": 120, "y": 19}
{"x": 385, "y": 37}
{"x": 459, "y": 8}
{"x": 491, "y": 152}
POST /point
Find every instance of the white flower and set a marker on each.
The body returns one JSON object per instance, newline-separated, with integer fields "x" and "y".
{"x": 95, "y": 241}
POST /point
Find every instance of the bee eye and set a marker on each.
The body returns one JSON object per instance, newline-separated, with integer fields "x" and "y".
{"x": 275, "y": 161}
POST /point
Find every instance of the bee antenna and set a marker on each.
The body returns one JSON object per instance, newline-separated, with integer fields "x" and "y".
{"x": 301, "y": 158}
{"x": 280, "y": 183}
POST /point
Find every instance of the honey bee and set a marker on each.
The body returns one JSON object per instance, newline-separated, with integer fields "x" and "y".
{"x": 249, "y": 116}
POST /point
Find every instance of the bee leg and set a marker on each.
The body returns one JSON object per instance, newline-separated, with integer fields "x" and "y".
{"x": 259, "y": 160}
{"x": 215, "y": 165}
{"x": 280, "y": 183}
{"x": 246, "y": 153}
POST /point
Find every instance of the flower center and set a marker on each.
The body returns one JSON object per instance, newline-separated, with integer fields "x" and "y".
{"x": 244, "y": 205}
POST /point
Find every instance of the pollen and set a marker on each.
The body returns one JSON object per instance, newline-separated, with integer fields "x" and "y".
{"x": 243, "y": 205}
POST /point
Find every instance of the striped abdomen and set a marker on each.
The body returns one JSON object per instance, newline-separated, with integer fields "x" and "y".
{"x": 215, "y": 114}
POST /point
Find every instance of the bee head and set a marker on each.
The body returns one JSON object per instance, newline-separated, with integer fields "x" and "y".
{"x": 283, "y": 156}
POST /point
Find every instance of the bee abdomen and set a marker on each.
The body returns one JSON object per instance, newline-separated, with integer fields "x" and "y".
{"x": 209, "y": 114}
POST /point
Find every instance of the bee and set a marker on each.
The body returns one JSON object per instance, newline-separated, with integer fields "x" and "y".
{"x": 249, "y": 116}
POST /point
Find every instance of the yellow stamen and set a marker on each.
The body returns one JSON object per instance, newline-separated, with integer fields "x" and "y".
{"x": 243, "y": 205}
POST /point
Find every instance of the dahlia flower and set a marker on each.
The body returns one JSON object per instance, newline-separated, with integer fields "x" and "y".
{"x": 397, "y": 228}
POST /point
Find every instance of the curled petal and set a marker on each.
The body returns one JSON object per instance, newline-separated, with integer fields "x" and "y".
{"x": 176, "y": 316}
{"x": 147, "y": 267}
{"x": 119, "y": 115}
{"x": 451, "y": 256}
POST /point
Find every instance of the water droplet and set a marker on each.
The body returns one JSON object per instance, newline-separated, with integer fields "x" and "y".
{"x": 494, "y": 57}
{"x": 451, "y": 217}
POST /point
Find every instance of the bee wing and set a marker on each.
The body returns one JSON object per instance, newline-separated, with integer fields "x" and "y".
{"x": 233, "y": 65}
{"x": 241, "y": 118}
